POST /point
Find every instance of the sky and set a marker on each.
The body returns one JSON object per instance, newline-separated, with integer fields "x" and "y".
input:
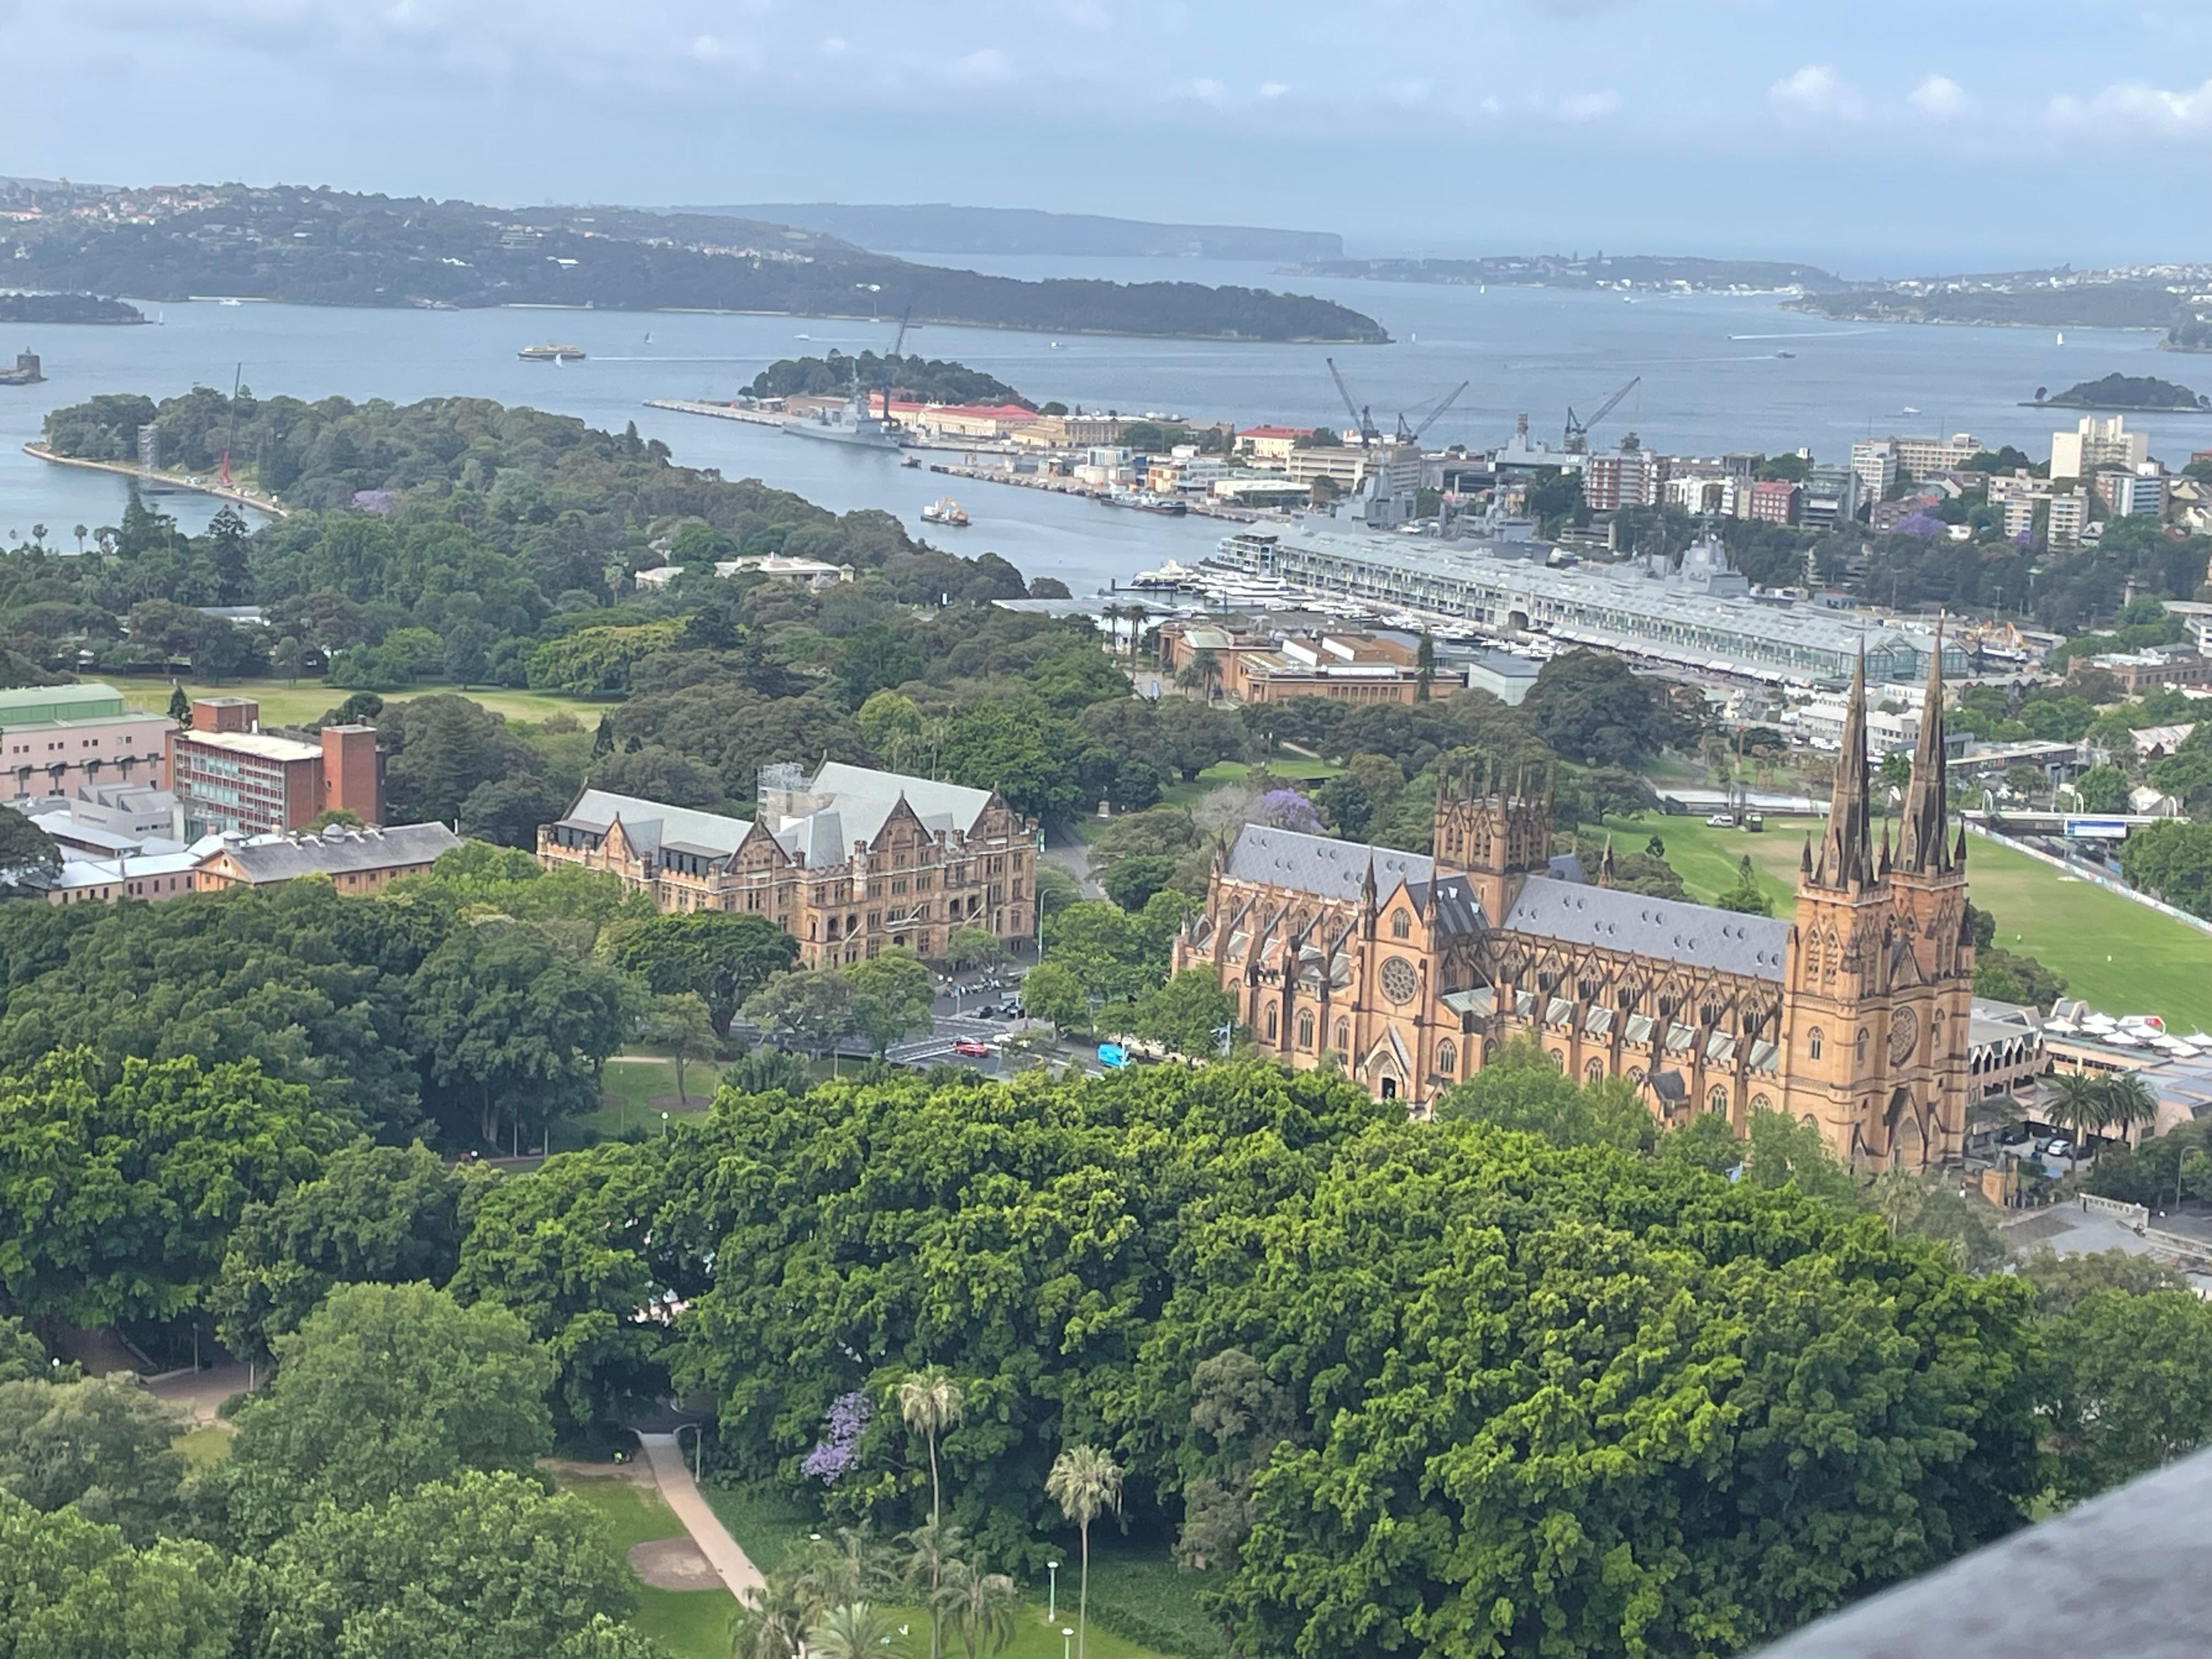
{"x": 1879, "y": 137}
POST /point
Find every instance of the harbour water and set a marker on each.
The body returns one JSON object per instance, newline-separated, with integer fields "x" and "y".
{"x": 1712, "y": 380}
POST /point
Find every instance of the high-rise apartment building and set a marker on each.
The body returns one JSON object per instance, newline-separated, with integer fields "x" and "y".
{"x": 2095, "y": 443}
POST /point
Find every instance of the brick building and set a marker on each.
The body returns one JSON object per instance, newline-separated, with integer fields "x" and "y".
{"x": 231, "y": 777}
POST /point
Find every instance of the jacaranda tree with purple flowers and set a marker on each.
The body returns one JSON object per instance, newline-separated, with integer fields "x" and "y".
{"x": 838, "y": 1450}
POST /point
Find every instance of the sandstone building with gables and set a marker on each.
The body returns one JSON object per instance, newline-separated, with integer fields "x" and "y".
{"x": 848, "y": 862}
{"x": 1850, "y": 1014}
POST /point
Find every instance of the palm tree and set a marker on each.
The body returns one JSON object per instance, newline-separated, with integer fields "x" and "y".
{"x": 930, "y": 1401}
{"x": 980, "y": 1606}
{"x": 1085, "y": 1482}
{"x": 82, "y": 532}
{"x": 854, "y": 1630}
{"x": 2129, "y": 1103}
{"x": 2077, "y": 1103}
{"x": 932, "y": 1558}
{"x": 771, "y": 1623}
{"x": 1896, "y": 1194}
{"x": 840, "y": 1574}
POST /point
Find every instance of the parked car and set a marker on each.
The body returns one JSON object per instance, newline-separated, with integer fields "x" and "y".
{"x": 970, "y": 1048}
{"x": 2059, "y": 1149}
{"x": 2015, "y": 1134}
{"x": 1720, "y": 821}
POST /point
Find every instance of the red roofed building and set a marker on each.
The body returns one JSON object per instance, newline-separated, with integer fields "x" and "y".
{"x": 1270, "y": 446}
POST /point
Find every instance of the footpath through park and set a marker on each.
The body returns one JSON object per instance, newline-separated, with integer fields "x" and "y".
{"x": 681, "y": 1493}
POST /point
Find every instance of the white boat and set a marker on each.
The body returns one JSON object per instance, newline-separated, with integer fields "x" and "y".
{"x": 1170, "y": 576}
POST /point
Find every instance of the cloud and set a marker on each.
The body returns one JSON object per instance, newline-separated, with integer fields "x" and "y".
{"x": 1818, "y": 92}
{"x": 833, "y": 45}
{"x": 714, "y": 50}
{"x": 1587, "y": 106}
{"x": 2131, "y": 100}
{"x": 1938, "y": 95}
{"x": 988, "y": 67}
{"x": 1204, "y": 90}
{"x": 1272, "y": 88}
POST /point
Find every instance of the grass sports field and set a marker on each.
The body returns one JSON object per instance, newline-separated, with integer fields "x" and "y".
{"x": 2120, "y": 957}
{"x": 284, "y": 704}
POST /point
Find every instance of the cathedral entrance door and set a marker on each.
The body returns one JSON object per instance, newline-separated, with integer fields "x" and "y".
{"x": 1390, "y": 1088}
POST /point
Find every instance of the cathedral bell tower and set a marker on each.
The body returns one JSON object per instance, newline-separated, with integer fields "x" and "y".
{"x": 1932, "y": 990}
{"x": 1494, "y": 826}
{"x": 1836, "y": 977}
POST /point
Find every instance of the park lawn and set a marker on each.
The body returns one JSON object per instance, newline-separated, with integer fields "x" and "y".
{"x": 772, "y": 1528}
{"x": 631, "y": 1088}
{"x": 205, "y": 1447}
{"x": 688, "y": 1624}
{"x": 1302, "y": 767}
{"x": 284, "y": 703}
{"x": 2120, "y": 956}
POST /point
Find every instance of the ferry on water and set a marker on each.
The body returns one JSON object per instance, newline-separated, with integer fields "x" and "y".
{"x": 551, "y": 354}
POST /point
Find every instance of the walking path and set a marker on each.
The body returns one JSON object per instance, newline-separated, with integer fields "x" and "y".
{"x": 706, "y": 1528}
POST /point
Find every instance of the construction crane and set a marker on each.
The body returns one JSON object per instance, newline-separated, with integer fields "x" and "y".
{"x": 1577, "y": 438}
{"x": 1412, "y": 435}
{"x": 1367, "y": 435}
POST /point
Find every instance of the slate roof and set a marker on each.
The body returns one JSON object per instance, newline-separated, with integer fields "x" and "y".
{"x": 275, "y": 858}
{"x": 862, "y": 799}
{"x": 1547, "y": 907}
{"x": 650, "y": 825}
{"x": 1327, "y": 868}
{"x": 1663, "y": 929}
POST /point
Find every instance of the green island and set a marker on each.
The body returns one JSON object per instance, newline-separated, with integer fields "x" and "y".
{"x": 1200, "y": 1336}
{"x": 43, "y": 308}
{"x": 932, "y": 380}
{"x": 2129, "y": 392}
{"x": 329, "y": 247}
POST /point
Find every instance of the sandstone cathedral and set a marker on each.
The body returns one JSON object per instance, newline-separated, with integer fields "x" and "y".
{"x": 1408, "y": 971}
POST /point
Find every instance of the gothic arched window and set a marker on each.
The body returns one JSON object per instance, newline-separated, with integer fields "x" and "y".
{"x": 1716, "y": 1101}
{"x": 1594, "y": 1074}
{"x": 1305, "y": 1030}
{"x": 1447, "y": 1060}
{"x": 1273, "y": 1024}
{"x": 1813, "y": 1044}
{"x": 1558, "y": 1060}
{"x": 1760, "y": 1103}
{"x": 1343, "y": 1035}
{"x": 1401, "y": 925}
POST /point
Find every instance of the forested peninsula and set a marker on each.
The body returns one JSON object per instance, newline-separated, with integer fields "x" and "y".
{"x": 328, "y": 248}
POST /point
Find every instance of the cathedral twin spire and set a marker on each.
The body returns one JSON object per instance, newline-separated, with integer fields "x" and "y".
{"x": 1847, "y": 857}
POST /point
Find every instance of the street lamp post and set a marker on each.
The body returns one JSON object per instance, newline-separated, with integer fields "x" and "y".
{"x": 1067, "y": 1636}
{"x": 1051, "y": 1594}
{"x": 698, "y": 1448}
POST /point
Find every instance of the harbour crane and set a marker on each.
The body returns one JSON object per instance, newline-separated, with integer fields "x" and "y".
{"x": 1577, "y": 439}
{"x": 1406, "y": 432}
{"x": 1367, "y": 435}
{"x": 1413, "y": 435}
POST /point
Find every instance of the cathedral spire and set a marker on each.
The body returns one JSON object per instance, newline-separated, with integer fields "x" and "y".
{"x": 1847, "y": 849}
{"x": 1921, "y": 849}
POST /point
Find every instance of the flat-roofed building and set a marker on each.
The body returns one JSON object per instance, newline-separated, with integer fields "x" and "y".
{"x": 232, "y": 778}
{"x": 1346, "y": 667}
{"x": 1698, "y": 615}
{"x": 849, "y": 862}
{"x": 58, "y": 740}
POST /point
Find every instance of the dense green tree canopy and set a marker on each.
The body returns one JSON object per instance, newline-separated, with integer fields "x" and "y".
{"x": 384, "y": 1388}
{"x": 117, "y": 1200}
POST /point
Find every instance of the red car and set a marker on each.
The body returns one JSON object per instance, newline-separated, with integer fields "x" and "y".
{"x": 969, "y": 1048}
